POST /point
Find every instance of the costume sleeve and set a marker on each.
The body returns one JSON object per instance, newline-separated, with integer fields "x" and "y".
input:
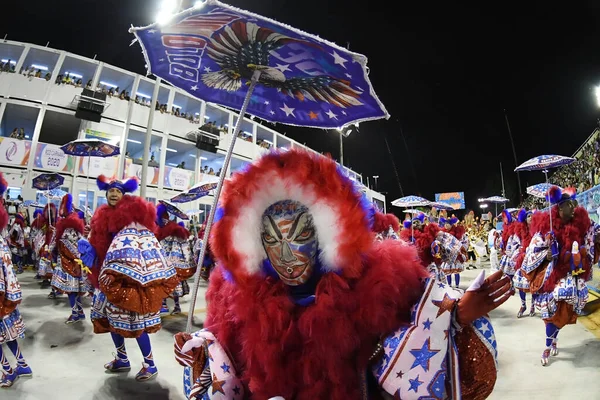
{"x": 69, "y": 252}
{"x": 433, "y": 357}
{"x": 10, "y": 290}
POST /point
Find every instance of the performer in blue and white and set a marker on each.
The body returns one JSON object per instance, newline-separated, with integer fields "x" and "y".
{"x": 11, "y": 323}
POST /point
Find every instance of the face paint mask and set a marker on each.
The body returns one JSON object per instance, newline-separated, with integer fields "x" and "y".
{"x": 290, "y": 241}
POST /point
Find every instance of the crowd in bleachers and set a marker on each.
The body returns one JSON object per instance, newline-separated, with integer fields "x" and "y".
{"x": 583, "y": 174}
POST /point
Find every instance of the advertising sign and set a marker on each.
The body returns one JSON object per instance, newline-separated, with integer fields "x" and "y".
{"x": 132, "y": 169}
{"x": 456, "y": 200}
{"x": 178, "y": 178}
{"x": 98, "y": 166}
{"x": 51, "y": 157}
{"x": 14, "y": 151}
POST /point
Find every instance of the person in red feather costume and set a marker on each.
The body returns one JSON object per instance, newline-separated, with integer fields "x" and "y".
{"x": 68, "y": 276}
{"x": 558, "y": 262}
{"x": 385, "y": 226}
{"x": 175, "y": 241}
{"x": 303, "y": 301}
{"x": 47, "y": 258}
{"x": 520, "y": 230}
{"x": 130, "y": 283}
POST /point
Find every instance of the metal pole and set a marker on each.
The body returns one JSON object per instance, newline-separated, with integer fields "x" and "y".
{"x": 514, "y": 155}
{"x": 211, "y": 215}
{"x": 146, "y": 154}
{"x": 393, "y": 164}
{"x": 341, "y": 148}
{"x": 502, "y": 178}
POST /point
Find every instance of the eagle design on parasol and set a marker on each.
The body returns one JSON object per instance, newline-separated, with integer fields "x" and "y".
{"x": 244, "y": 47}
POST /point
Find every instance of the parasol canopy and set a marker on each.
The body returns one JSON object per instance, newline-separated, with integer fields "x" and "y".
{"x": 28, "y": 203}
{"x": 212, "y": 50}
{"x": 411, "y": 201}
{"x": 540, "y": 190}
{"x": 440, "y": 205}
{"x": 412, "y": 211}
{"x": 496, "y": 199}
{"x": 545, "y": 162}
{"x": 56, "y": 194}
{"x": 194, "y": 212}
{"x": 47, "y": 181}
{"x": 173, "y": 209}
{"x": 90, "y": 148}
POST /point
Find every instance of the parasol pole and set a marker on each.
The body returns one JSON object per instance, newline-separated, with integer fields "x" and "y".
{"x": 87, "y": 184}
{"x": 211, "y": 216}
{"x": 549, "y": 203}
{"x": 146, "y": 154}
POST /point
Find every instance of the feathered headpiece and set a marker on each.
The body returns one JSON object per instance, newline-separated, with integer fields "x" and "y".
{"x": 66, "y": 205}
{"x": 451, "y": 221}
{"x": 522, "y": 215}
{"x": 420, "y": 217}
{"x": 37, "y": 212}
{"x": 506, "y": 217}
{"x": 556, "y": 195}
{"x": 161, "y": 210}
{"x": 128, "y": 186}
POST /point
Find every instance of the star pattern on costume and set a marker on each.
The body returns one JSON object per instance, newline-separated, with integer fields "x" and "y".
{"x": 151, "y": 31}
{"x": 283, "y": 67}
{"x": 207, "y": 69}
{"x": 349, "y": 76}
{"x": 339, "y": 60}
{"x": 287, "y": 110}
{"x": 236, "y": 390}
{"x": 267, "y": 102}
{"x": 484, "y": 328}
{"x": 194, "y": 88}
{"x": 272, "y": 112}
{"x": 423, "y": 355}
{"x": 225, "y": 367}
{"x": 446, "y": 304}
{"x": 313, "y": 115}
{"x": 427, "y": 324}
{"x": 331, "y": 114}
{"x": 344, "y": 112}
{"x": 126, "y": 241}
{"x": 414, "y": 384}
{"x": 161, "y": 59}
{"x": 399, "y": 374}
{"x": 441, "y": 285}
{"x": 217, "y": 385}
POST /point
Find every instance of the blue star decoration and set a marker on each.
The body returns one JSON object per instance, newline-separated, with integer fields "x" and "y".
{"x": 225, "y": 368}
{"x": 236, "y": 390}
{"x": 423, "y": 355}
{"x": 414, "y": 384}
{"x": 126, "y": 241}
{"x": 441, "y": 285}
{"x": 427, "y": 324}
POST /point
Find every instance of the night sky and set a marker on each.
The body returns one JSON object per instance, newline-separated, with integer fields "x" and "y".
{"x": 446, "y": 73}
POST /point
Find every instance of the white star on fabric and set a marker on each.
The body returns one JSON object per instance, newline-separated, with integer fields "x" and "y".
{"x": 485, "y": 328}
{"x": 344, "y": 112}
{"x": 152, "y": 31}
{"x": 207, "y": 69}
{"x": 349, "y": 76}
{"x": 283, "y": 68}
{"x": 287, "y": 110}
{"x": 267, "y": 102}
{"x": 272, "y": 112}
{"x": 331, "y": 114}
{"x": 194, "y": 87}
{"x": 161, "y": 59}
{"x": 337, "y": 59}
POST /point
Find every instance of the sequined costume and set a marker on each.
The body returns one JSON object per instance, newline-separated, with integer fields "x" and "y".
{"x": 11, "y": 322}
{"x": 47, "y": 258}
{"x": 176, "y": 243}
{"x": 520, "y": 229}
{"x": 451, "y": 226}
{"x": 129, "y": 271}
{"x": 558, "y": 263}
{"x": 68, "y": 276}
{"x": 303, "y": 299}
{"x": 17, "y": 241}
{"x": 511, "y": 246}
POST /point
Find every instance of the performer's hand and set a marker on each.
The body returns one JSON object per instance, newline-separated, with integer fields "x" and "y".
{"x": 496, "y": 289}
{"x": 87, "y": 251}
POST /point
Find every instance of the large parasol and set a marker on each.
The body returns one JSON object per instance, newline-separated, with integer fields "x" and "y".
{"x": 174, "y": 210}
{"x": 544, "y": 163}
{"x": 90, "y": 148}
{"x": 195, "y": 192}
{"x": 496, "y": 200}
{"x": 411, "y": 201}
{"x": 540, "y": 190}
{"x": 244, "y": 61}
{"x": 48, "y": 182}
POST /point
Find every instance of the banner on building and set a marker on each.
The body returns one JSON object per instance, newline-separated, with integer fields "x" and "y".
{"x": 456, "y": 200}
{"x": 132, "y": 169}
{"x": 51, "y": 157}
{"x": 178, "y": 178}
{"x": 107, "y": 166}
{"x": 14, "y": 151}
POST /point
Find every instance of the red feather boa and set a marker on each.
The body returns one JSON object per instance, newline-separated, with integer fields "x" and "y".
{"x": 314, "y": 352}
{"x": 3, "y": 217}
{"x": 71, "y": 221}
{"x": 172, "y": 228}
{"x": 566, "y": 234}
{"x": 457, "y": 231}
{"x": 423, "y": 241}
{"x": 382, "y": 222}
{"x": 108, "y": 221}
{"x": 507, "y": 231}
{"x": 521, "y": 229}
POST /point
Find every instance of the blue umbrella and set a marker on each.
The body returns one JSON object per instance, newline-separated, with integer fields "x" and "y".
{"x": 194, "y": 193}
{"x": 496, "y": 199}
{"x": 440, "y": 206}
{"x": 544, "y": 163}
{"x": 47, "y": 181}
{"x": 540, "y": 190}
{"x": 242, "y": 60}
{"x": 173, "y": 209}
{"x": 411, "y": 201}
{"x": 56, "y": 194}
{"x": 90, "y": 148}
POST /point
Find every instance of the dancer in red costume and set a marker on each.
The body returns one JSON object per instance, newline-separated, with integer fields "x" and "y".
{"x": 451, "y": 226}
{"x": 385, "y": 226}
{"x": 304, "y": 301}
{"x": 522, "y": 236}
{"x": 47, "y": 259}
{"x": 129, "y": 272}
{"x": 558, "y": 263}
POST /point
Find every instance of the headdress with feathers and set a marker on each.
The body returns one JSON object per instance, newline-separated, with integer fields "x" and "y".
{"x": 128, "y": 186}
{"x": 556, "y": 195}
{"x": 420, "y": 217}
{"x": 452, "y": 221}
{"x": 66, "y": 205}
{"x": 161, "y": 210}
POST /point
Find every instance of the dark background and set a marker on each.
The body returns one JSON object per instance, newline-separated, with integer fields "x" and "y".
{"x": 446, "y": 73}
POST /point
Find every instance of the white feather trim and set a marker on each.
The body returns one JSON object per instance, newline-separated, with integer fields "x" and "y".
{"x": 246, "y": 233}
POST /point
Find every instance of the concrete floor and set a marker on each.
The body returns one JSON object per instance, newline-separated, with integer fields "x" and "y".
{"x": 68, "y": 360}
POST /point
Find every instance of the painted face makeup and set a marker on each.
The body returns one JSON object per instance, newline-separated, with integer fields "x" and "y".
{"x": 290, "y": 241}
